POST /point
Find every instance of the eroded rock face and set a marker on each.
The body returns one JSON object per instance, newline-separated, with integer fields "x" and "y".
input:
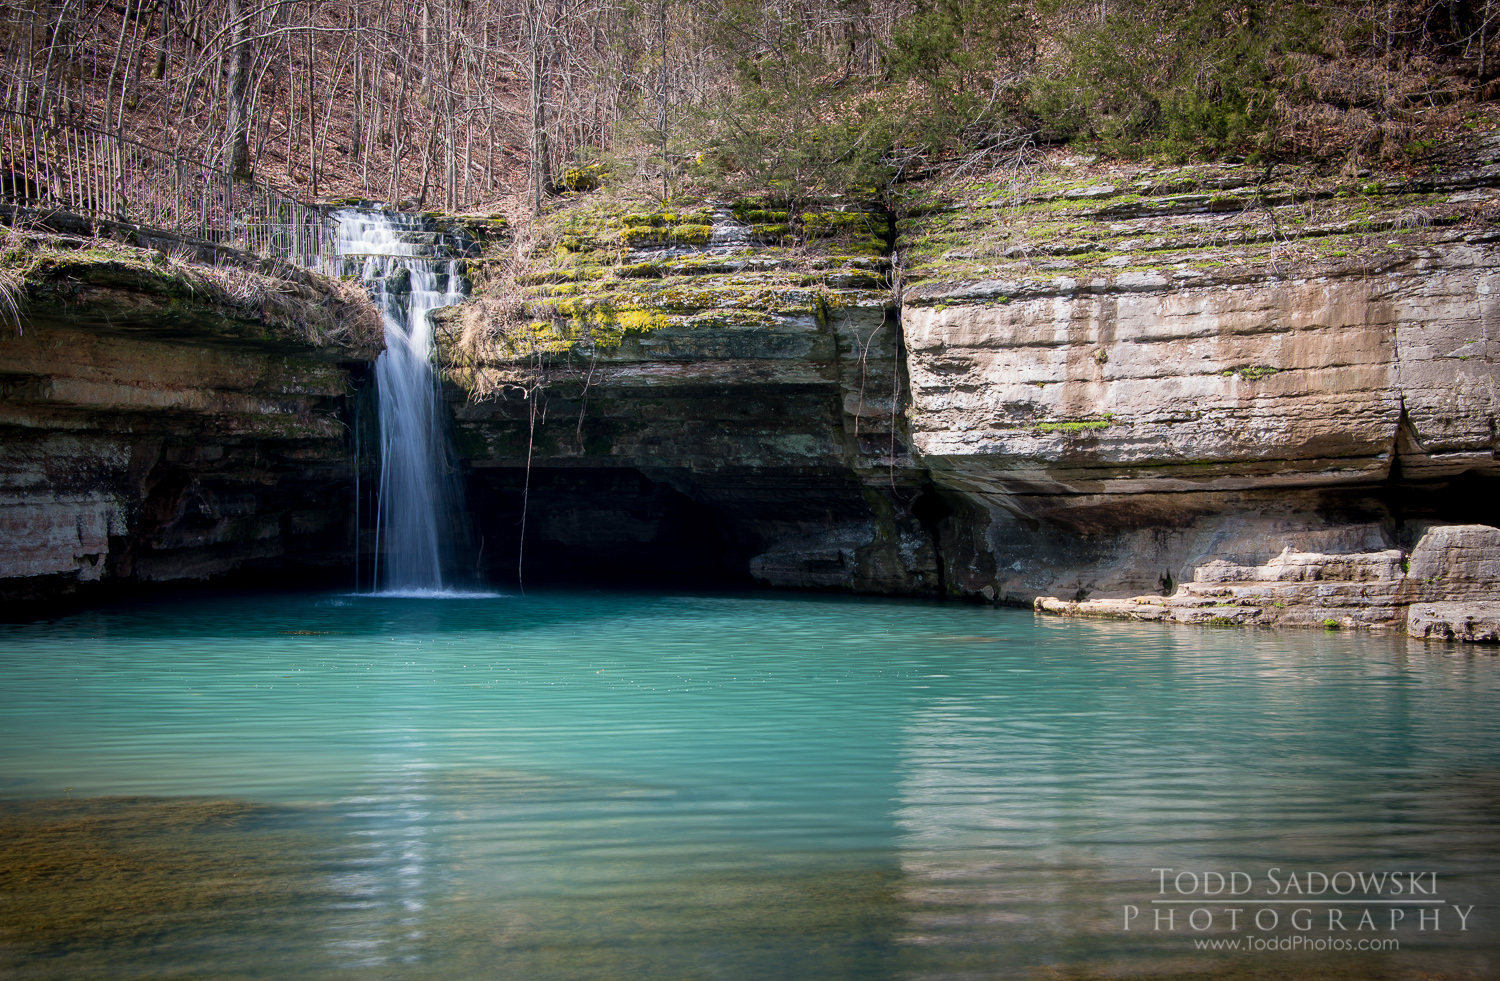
{"x": 1084, "y": 385}
{"x": 1136, "y": 382}
{"x": 1446, "y": 588}
{"x": 1183, "y": 383}
{"x": 688, "y": 396}
{"x": 1464, "y": 622}
{"x": 1455, "y": 563}
{"x": 149, "y": 440}
{"x": 1220, "y": 387}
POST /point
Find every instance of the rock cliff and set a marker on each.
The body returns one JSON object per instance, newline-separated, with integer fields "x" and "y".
{"x": 1442, "y": 588}
{"x": 1184, "y": 393}
{"x": 165, "y": 421}
{"x": 1105, "y": 379}
{"x": 700, "y": 396}
{"x": 1146, "y": 371}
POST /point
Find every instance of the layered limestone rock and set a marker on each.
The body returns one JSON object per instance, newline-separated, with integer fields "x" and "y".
{"x": 164, "y": 421}
{"x": 698, "y": 395}
{"x": 1447, "y": 587}
{"x": 1135, "y": 372}
{"x": 1455, "y": 563}
{"x": 1471, "y": 622}
{"x": 1292, "y": 589}
{"x": 1088, "y": 381}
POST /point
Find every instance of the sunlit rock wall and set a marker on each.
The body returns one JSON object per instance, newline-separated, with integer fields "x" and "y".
{"x": 1444, "y": 587}
{"x": 1103, "y": 379}
{"x": 1135, "y": 372}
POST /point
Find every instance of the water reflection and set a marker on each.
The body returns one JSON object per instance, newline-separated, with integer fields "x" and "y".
{"x": 579, "y": 787}
{"x": 1035, "y": 813}
{"x": 385, "y": 882}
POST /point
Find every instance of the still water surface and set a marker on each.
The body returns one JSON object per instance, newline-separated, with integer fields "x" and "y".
{"x": 634, "y": 786}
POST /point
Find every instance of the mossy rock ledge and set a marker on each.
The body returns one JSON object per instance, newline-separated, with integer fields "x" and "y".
{"x": 1097, "y": 377}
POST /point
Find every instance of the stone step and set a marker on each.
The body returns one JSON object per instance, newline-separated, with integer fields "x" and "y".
{"x": 1294, "y": 566}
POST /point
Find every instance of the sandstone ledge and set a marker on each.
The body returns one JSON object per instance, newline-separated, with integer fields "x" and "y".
{"x": 1474, "y": 622}
{"x": 1444, "y": 589}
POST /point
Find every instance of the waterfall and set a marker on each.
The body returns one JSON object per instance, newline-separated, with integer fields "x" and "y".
{"x": 419, "y": 496}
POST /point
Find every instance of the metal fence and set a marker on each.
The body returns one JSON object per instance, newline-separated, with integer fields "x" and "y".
{"x": 85, "y": 171}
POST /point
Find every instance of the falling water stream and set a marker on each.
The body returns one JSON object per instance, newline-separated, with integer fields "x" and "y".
{"x": 419, "y": 495}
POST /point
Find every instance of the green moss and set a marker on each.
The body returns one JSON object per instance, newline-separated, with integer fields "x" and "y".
{"x": 586, "y": 178}
{"x": 692, "y": 234}
{"x": 539, "y": 277}
{"x": 1252, "y": 372}
{"x": 825, "y": 224}
{"x": 540, "y": 336}
{"x": 1418, "y": 148}
{"x": 760, "y": 216}
{"x": 1073, "y": 427}
{"x": 637, "y": 236}
{"x": 640, "y": 270}
{"x": 579, "y": 292}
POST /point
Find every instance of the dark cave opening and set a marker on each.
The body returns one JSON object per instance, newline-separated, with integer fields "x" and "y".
{"x": 1465, "y": 498}
{"x": 600, "y": 525}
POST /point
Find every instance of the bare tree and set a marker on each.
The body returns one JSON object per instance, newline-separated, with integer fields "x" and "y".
{"x": 237, "y": 117}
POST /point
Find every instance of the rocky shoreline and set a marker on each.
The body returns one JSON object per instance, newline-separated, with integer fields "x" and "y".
{"x": 1444, "y": 588}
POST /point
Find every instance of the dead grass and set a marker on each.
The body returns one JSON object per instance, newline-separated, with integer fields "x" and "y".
{"x": 325, "y": 311}
{"x": 1362, "y": 111}
{"x": 498, "y": 317}
{"x": 294, "y": 302}
{"x": 11, "y": 285}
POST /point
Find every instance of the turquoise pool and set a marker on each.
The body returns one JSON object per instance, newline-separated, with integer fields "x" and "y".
{"x": 644, "y": 786}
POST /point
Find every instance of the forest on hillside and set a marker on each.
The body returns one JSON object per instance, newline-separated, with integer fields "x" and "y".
{"x": 494, "y": 104}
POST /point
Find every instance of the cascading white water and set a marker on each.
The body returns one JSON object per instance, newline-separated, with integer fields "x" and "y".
{"x": 417, "y": 497}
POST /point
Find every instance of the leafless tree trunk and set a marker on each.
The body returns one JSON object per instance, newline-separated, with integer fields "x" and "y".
{"x": 661, "y": 105}
{"x": 539, "y": 43}
{"x": 237, "y": 120}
